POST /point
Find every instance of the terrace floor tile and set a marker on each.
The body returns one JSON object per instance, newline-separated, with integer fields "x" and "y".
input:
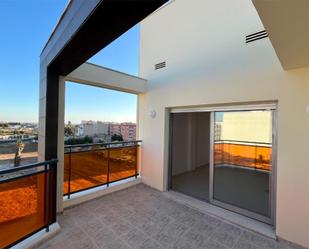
{"x": 153, "y": 221}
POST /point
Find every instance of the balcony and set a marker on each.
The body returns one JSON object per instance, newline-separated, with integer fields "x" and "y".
{"x": 136, "y": 217}
{"x": 141, "y": 217}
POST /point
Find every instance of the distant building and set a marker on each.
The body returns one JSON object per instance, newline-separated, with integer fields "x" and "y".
{"x": 104, "y": 130}
{"x": 218, "y": 129}
{"x": 127, "y": 130}
{"x": 92, "y": 128}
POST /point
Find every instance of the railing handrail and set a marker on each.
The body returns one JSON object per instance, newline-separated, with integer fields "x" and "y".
{"x": 102, "y": 144}
{"x": 29, "y": 166}
{"x": 240, "y": 142}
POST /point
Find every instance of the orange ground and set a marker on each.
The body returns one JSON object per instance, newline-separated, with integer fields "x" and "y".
{"x": 11, "y": 156}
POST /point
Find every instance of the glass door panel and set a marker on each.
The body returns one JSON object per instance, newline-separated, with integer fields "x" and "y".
{"x": 242, "y": 161}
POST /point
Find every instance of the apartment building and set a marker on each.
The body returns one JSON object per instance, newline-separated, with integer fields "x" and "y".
{"x": 126, "y": 130}
{"x": 238, "y": 68}
{"x": 92, "y": 128}
{"x": 98, "y": 128}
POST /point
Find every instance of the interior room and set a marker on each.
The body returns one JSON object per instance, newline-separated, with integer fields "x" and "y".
{"x": 190, "y": 153}
{"x": 242, "y": 159}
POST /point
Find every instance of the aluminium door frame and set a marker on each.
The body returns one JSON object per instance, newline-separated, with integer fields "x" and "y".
{"x": 170, "y": 152}
{"x": 272, "y": 179}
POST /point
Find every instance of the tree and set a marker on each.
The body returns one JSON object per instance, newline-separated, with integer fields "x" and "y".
{"x": 117, "y": 137}
{"x": 4, "y": 125}
{"x": 69, "y": 129}
{"x": 19, "y": 148}
{"x": 84, "y": 140}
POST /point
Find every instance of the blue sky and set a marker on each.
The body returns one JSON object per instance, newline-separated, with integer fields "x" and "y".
{"x": 91, "y": 103}
{"x": 25, "y": 26}
{"x": 94, "y": 103}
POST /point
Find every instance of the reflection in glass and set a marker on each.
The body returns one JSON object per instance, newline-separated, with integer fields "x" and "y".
{"x": 84, "y": 169}
{"x": 88, "y": 169}
{"x": 22, "y": 207}
{"x": 242, "y": 159}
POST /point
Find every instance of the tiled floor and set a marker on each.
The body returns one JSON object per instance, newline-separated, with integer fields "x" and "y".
{"x": 140, "y": 217}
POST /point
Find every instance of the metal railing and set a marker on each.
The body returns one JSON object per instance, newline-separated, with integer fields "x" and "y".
{"x": 256, "y": 155}
{"x": 26, "y": 201}
{"x": 88, "y": 166}
{"x": 259, "y": 144}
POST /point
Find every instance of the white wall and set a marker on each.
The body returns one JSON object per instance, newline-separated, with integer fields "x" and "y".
{"x": 209, "y": 63}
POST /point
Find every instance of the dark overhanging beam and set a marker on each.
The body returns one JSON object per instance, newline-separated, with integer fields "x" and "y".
{"x": 52, "y": 100}
{"x": 109, "y": 21}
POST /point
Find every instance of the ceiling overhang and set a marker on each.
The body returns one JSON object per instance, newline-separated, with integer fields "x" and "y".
{"x": 104, "y": 23}
{"x": 99, "y": 76}
{"x": 286, "y": 22}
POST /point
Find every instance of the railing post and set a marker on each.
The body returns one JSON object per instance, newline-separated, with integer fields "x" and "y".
{"x": 223, "y": 152}
{"x": 69, "y": 177}
{"x": 50, "y": 193}
{"x": 136, "y": 156}
{"x": 255, "y": 156}
{"x": 46, "y": 197}
{"x": 108, "y": 158}
{"x": 229, "y": 153}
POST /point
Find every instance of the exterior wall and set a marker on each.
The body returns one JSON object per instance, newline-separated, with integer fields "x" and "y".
{"x": 209, "y": 63}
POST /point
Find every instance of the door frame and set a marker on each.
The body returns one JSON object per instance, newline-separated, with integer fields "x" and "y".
{"x": 250, "y": 214}
{"x": 273, "y": 175}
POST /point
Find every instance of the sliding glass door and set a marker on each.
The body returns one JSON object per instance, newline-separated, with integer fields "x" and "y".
{"x": 241, "y": 164}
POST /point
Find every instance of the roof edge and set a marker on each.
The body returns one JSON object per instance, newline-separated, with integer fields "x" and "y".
{"x": 66, "y": 9}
